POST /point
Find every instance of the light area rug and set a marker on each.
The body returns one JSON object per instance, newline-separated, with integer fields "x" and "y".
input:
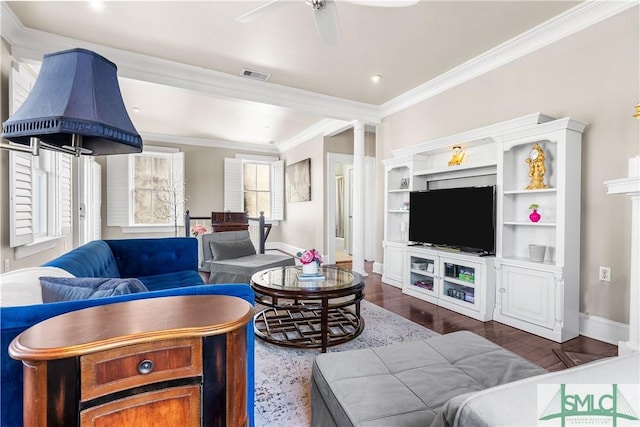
{"x": 283, "y": 374}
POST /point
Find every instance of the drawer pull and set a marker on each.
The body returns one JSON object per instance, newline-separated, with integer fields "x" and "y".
{"x": 145, "y": 367}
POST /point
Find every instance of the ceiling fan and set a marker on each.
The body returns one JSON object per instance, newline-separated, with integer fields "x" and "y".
{"x": 325, "y": 14}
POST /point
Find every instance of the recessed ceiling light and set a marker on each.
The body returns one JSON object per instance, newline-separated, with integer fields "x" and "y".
{"x": 136, "y": 109}
{"x": 376, "y": 78}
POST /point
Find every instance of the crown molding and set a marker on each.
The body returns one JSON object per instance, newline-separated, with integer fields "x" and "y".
{"x": 578, "y": 18}
{"x": 325, "y": 127}
{"x": 204, "y": 142}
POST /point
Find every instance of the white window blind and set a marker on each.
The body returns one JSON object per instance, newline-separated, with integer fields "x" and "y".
{"x": 118, "y": 191}
{"x": 64, "y": 189}
{"x": 233, "y": 185}
{"x": 20, "y": 167}
{"x": 277, "y": 190}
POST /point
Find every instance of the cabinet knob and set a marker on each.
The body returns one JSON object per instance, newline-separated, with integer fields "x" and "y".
{"x": 145, "y": 367}
{"x": 502, "y": 290}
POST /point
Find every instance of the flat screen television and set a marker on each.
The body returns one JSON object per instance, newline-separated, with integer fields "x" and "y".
{"x": 462, "y": 218}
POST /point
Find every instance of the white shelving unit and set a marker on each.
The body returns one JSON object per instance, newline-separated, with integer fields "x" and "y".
{"x": 396, "y": 216}
{"x": 539, "y": 297}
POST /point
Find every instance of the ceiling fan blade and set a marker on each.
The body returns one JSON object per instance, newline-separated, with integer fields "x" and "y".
{"x": 255, "y": 13}
{"x": 327, "y": 24}
{"x": 385, "y": 3}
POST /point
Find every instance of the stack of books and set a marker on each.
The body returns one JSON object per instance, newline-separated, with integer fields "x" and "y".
{"x": 311, "y": 277}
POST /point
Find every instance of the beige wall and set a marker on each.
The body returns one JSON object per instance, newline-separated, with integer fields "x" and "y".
{"x": 592, "y": 76}
{"x": 204, "y": 189}
{"x": 303, "y": 224}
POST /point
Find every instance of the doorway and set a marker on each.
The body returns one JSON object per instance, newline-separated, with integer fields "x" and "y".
{"x": 343, "y": 212}
{"x": 339, "y": 213}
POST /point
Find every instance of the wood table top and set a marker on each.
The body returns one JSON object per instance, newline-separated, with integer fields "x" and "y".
{"x": 131, "y": 322}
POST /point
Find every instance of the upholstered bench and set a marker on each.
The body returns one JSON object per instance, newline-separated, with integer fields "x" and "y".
{"x": 406, "y": 384}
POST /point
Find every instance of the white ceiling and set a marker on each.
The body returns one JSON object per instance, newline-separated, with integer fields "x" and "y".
{"x": 179, "y": 60}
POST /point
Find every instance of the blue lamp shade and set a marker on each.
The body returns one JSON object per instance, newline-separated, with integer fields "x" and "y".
{"x": 76, "y": 94}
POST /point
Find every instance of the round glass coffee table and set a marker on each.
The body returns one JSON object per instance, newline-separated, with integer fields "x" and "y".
{"x": 307, "y": 313}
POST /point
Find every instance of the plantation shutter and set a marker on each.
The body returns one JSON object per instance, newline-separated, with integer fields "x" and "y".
{"x": 20, "y": 167}
{"x": 96, "y": 200}
{"x": 118, "y": 190}
{"x": 233, "y": 191}
{"x": 277, "y": 190}
{"x": 64, "y": 190}
{"x": 89, "y": 223}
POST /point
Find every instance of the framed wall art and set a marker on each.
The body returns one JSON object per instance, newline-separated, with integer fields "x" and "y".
{"x": 299, "y": 181}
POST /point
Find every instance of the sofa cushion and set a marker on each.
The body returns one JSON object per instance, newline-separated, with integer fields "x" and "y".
{"x": 240, "y": 270}
{"x": 179, "y": 279}
{"x": 22, "y": 287}
{"x": 56, "y": 289}
{"x": 224, "y": 236}
{"x": 93, "y": 259}
{"x": 152, "y": 256}
{"x": 232, "y": 249}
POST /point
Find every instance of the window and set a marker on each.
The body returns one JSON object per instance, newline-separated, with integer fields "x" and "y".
{"x": 146, "y": 190}
{"x": 254, "y": 184}
{"x": 257, "y": 188}
{"x": 39, "y": 188}
{"x": 152, "y": 189}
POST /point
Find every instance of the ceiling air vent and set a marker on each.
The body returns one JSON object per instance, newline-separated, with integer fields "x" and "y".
{"x": 257, "y": 75}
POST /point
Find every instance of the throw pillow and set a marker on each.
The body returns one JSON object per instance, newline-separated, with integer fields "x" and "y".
{"x": 231, "y": 249}
{"x": 22, "y": 286}
{"x": 56, "y": 289}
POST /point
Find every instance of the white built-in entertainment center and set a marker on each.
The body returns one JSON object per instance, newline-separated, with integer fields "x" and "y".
{"x": 541, "y": 297}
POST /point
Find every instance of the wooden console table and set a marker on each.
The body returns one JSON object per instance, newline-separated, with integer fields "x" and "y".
{"x": 174, "y": 361}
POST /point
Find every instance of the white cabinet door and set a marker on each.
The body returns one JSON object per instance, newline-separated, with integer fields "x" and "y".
{"x": 394, "y": 264}
{"x": 461, "y": 283}
{"x": 528, "y": 295}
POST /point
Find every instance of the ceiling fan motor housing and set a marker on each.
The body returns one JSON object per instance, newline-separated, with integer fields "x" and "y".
{"x": 317, "y": 4}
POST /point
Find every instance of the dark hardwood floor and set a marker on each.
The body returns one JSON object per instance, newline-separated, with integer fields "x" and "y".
{"x": 541, "y": 351}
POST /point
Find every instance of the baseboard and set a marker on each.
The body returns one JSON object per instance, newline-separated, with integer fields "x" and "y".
{"x": 282, "y": 247}
{"x": 378, "y": 267}
{"x": 603, "y": 329}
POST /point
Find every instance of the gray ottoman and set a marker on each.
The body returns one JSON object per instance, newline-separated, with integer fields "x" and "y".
{"x": 406, "y": 384}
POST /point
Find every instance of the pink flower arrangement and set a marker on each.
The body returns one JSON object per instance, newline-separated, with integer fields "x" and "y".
{"x": 309, "y": 256}
{"x": 198, "y": 229}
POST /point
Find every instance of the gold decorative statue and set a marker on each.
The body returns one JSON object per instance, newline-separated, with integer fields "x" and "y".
{"x": 536, "y": 168}
{"x": 457, "y": 157}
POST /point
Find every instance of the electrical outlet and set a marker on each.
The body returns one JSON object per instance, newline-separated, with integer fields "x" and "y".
{"x": 604, "y": 274}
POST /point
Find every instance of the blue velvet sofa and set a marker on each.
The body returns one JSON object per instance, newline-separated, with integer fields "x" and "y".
{"x": 166, "y": 266}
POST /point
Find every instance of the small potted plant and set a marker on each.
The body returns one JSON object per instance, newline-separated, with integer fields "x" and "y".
{"x": 534, "y": 216}
{"x": 311, "y": 260}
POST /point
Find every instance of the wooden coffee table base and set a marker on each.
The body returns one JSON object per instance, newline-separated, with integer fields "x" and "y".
{"x": 308, "y": 314}
{"x": 302, "y": 327}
